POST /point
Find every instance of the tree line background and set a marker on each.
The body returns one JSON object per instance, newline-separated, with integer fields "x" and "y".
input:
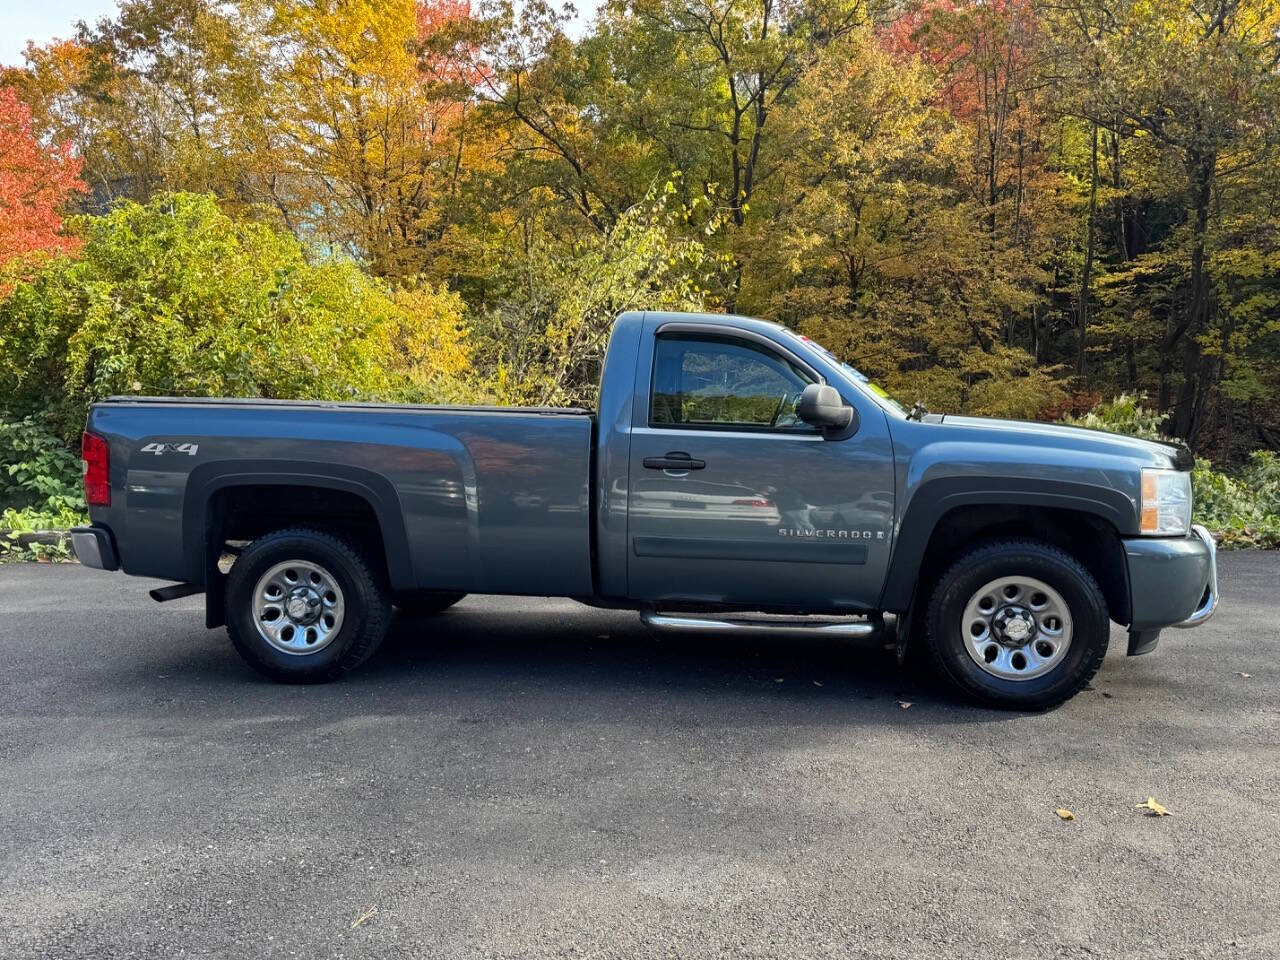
{"x": 1009, "y": 207}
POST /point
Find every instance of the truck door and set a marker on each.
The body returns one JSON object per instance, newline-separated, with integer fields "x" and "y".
{"x": 732, "y": 498}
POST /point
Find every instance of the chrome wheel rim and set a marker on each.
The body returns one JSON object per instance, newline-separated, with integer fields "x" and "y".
{"x": 1016, "y": 628}
{"x": 298, "y": 607}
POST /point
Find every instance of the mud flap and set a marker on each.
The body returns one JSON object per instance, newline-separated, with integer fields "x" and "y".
{"x": 902, "y": 630}
{"x": 1142, "y": 641}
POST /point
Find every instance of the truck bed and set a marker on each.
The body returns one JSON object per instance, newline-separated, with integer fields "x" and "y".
{"x": 478, "y": 499}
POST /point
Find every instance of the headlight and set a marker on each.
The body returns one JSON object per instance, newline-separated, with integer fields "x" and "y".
{"x": 1166, "y": 503}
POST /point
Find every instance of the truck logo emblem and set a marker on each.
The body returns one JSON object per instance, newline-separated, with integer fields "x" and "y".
{"x": 813, "y": 533}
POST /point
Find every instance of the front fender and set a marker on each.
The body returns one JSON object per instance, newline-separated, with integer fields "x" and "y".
{"x": 934, "y": 498}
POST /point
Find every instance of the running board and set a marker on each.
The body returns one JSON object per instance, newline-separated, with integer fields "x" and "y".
{"x": 762, "y": 625}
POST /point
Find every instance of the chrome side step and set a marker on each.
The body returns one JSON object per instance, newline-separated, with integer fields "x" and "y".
{"x": 765, "y": 625}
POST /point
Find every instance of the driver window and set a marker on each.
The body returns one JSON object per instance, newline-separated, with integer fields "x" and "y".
{"x": 711, "y": 382}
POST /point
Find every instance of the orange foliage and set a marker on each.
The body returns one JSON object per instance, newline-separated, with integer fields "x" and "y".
{"x": 981, "y": 50}
{"x": 447, "y": 65}
{"x": 34, "y": 183}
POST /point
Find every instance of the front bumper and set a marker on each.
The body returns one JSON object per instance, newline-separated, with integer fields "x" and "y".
{"x": 1173, "y": 582}
{"x": 1208, "y": 599}
{"x": 94, "y": 547}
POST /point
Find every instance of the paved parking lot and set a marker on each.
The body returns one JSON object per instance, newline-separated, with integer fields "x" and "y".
{"x": 536, "y": 779}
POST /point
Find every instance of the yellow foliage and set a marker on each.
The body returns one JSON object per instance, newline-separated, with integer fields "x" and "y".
{"x": 428, "y": 336}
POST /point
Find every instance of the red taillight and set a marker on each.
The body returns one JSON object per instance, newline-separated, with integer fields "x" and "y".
{"x": 97, "y": 470}
{"x": 754, "y": 502}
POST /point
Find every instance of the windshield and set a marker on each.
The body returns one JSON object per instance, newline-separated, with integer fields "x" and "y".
{"x": 857, "y": 376}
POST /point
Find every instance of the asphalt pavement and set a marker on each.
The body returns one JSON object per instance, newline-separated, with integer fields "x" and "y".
{"x": 533, "y": 778}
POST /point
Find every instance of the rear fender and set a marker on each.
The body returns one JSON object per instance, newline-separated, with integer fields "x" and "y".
{"x": 201, "y": 554}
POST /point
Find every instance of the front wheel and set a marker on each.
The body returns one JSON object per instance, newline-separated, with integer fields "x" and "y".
{"x": 1017, "y": 623}
{"x": 304, "y": 606}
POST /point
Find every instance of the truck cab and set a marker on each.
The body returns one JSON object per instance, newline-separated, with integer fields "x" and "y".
{"x": 732, "y": 495}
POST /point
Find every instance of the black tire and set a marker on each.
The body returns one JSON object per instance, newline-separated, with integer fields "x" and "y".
{"x": 365, "y": 596}
{"x": 426, "y": 603}
{"x": 946, "y": 645}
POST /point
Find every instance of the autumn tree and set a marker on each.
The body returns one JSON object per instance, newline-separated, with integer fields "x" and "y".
{"x": 547, "y": 331}
{"x": 35, "y": 183}
{"x": 372, "y": 118}
{"x": 662, "y": 85}
{"x": 1199, "y": 82}
{"x": 877, "y": 247}
{"x": 154, "y": 98}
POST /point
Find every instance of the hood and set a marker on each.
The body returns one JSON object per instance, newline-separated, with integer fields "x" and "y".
{"x": 1056, "y": 434}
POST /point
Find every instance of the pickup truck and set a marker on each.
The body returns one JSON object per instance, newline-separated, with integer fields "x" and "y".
{"x": 736, "y": 478}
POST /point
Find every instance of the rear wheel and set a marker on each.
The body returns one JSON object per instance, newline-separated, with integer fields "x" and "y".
{"x": 305, "y": 606}
{"x": 1017, "y": 623}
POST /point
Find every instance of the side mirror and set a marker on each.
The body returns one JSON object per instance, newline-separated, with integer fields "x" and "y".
{"x": 822, "y": 406}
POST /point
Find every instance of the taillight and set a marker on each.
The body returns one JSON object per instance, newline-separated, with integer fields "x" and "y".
{"x": 97, "y": 470}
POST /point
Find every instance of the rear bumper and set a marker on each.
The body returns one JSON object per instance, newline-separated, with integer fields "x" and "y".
{"x": 94, "y": 547}
{"x": 1172, "y": 582}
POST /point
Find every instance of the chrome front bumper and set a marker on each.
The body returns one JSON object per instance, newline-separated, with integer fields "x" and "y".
{"x": 1209, "y": 603}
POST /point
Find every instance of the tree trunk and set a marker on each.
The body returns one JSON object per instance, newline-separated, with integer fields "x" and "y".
{"x": 1122, "y": 251}
{"x": 1183, "y": 423}
{"x": 1117, "y": 183}
{"x": 1086, "y": 274}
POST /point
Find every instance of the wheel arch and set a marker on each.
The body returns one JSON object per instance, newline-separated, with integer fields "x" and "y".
{"x": 215, "y": 502}
{"x": 949, "y": 515}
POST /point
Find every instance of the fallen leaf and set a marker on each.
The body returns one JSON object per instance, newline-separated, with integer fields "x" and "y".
{"x": 1246, "y": 675}
{"x": 904, "y": 704}
{"x": 1065, "y": 814}
{"x": 1153, "y": 809}
{"x": 363, "y": 917}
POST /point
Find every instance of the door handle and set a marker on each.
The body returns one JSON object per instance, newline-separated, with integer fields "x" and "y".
{"x": 675, "y": 460}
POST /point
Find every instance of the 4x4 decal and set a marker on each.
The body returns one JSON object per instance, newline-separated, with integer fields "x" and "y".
{"x": 191, "y": 449}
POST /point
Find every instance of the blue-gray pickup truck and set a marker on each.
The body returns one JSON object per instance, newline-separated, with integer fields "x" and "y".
{"x": 736, "y": 478}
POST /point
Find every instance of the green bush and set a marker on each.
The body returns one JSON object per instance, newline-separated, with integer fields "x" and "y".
{"x": 14, "y": 523}
{"x": 1125, "y": 414}
{"x": 39, "y": 488}
{"x": 1242, "y": 510}
{"x": 547, "y": 336}
{"x": 39, "y": 474}
{"x": 176, "y": 298}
